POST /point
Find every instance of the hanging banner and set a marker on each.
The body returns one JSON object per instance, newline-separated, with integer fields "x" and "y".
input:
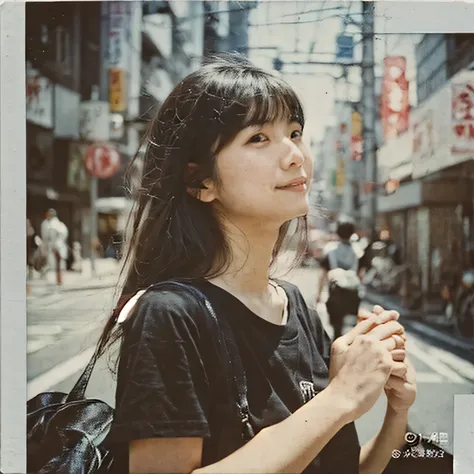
{"x": 117, "y": 91}
{"x": 356, "y": 137}
{"x": 118, "y": 54}
{"x": 462, "y": 118}
{"x": 119, "y": 15}
{"x": 395, "y": 88}
{"x": 340, "y": 177}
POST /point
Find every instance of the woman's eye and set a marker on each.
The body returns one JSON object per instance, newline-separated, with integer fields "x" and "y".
{"x": 296, "y": 134}
{"x": 259, "y": 138}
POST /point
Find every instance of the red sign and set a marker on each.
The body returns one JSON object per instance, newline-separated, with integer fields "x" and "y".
{"x": 395, "y": 106}
{"x": 102, "y": 161}
{"x": 356, "y": 148}
{"x": 462, "y": 118}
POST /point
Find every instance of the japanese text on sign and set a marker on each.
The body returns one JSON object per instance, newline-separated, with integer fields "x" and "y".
{"x": 117, "y": 90}
{"x": 462, "y": 118}
{"x": 118, "y": 34}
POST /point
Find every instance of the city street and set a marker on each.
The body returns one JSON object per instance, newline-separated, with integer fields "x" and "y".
{"x": 63, "y": 328}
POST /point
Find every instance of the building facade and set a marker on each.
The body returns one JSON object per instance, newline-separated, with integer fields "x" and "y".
{"x": 429, "y": 170}
{"x": 80, "y": 55}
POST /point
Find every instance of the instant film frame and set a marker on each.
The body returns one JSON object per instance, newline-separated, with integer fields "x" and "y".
{"x": 400, "y": 17}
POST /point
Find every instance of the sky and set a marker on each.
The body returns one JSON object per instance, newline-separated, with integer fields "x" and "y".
{"x": 318, "y": 26}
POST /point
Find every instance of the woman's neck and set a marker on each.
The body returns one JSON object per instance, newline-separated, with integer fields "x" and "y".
{"x": 251, "y": 254}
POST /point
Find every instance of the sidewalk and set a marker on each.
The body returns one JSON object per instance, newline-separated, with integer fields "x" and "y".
{"x": 107, "y": 271}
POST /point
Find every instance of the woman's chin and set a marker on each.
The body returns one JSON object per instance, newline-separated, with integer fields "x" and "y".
{"x": 301, "y": 211}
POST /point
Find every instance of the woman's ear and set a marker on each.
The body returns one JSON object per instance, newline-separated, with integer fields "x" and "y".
{"x": 208, "y": 192}
{"x": 204, "y": 191}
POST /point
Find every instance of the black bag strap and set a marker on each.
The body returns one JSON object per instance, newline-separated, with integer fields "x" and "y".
{"x": 229, "y": 347}
{"x": 79, "y": 389}
{"x": 226, "y": 343}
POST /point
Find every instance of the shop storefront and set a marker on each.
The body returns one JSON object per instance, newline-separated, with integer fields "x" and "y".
{"x": 429, "y": 212}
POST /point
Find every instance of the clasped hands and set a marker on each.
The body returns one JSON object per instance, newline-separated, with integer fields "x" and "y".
{"x": 383, "y": 326}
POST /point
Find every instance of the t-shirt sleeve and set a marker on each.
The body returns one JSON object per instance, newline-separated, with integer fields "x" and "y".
{"x": 323, "y": 340}
{"x": 162, "y": 385}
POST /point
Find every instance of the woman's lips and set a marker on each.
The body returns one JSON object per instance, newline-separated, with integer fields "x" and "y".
{"x": 296, "y": 188}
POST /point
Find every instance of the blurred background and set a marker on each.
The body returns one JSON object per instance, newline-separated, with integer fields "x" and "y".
{"x": 390, "y": 122}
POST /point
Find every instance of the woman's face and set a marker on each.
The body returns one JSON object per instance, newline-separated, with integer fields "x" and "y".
{"x": 265, "y": 174}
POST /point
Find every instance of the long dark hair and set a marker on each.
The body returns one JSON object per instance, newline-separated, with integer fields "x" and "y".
{"x": 171, "y": 234}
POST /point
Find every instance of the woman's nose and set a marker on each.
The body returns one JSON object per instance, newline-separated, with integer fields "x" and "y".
{"x": 292, "y": 155}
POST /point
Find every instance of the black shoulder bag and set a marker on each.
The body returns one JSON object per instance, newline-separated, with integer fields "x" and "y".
{"x": 65, "y": 432}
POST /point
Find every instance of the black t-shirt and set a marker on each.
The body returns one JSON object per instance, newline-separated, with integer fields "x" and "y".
{"x": 171, "y": 383}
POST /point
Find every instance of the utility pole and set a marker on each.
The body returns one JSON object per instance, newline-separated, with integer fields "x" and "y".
{"x": 369, "y": 110}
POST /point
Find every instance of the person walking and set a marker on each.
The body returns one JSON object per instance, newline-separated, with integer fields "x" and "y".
{"x": 226, "y": 170}
{"x": 339, "y": 270}
{"x": 54, "y": 234}
{"x": 30, "y": 249}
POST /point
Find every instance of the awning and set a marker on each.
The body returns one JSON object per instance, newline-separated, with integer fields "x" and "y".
{"x": 401, "y": 172}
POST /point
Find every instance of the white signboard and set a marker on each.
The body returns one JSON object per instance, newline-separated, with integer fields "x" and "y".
{"x": 94, "y": 121}
{"x": 462, "y": 117}
{"x": 39, "y": 99}
{"x": 441, "y": 128}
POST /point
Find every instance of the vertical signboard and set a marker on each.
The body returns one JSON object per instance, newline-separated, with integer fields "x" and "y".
{"x": 395, "y": 106}
{"x": 356, "y": 136}
{"x": 119, "y": 34}
{"x": 39, "y": 98}
{"x": 462, "y": 118}
{"x": 344, "y": 48}
{"x": 117, "y": 90}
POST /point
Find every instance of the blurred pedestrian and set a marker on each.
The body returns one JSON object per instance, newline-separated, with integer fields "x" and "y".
{"x": 339, "y": 269}
{"x": 30, "y": 249}
{"x": 30, "y": 246}
{"x": 226, "y": 171}
{"x": 54, "y": 234}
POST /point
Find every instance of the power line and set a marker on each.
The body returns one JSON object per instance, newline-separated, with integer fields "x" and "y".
{"x": 318, "y": 10}
{"x": 298, "y": 22}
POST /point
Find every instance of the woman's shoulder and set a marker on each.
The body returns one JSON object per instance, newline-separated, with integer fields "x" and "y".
{"x": 292, "y": 290}
{"x": 163, "y": 306}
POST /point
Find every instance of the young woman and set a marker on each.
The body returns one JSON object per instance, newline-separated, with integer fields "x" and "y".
{"x": 225, "y": 172}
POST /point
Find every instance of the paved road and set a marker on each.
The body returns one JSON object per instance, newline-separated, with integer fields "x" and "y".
{"x": 62, "y": 329}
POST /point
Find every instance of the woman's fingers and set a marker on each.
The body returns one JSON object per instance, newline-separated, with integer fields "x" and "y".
{"x": 399, "y": 355}
{"x": 394, "y": 382}
{"x": 399, "y": 369}
{"x": 377, "y": 311}
{"x": 394, "y": 342}
{"x": 364, "y": 314}
{"x": 384, "y": 331}
{"x": 368, "y": 324}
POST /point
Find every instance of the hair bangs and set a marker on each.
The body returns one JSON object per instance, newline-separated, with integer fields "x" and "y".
{"x": 272, "y": 101}
{"x": 251, "y": 97}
